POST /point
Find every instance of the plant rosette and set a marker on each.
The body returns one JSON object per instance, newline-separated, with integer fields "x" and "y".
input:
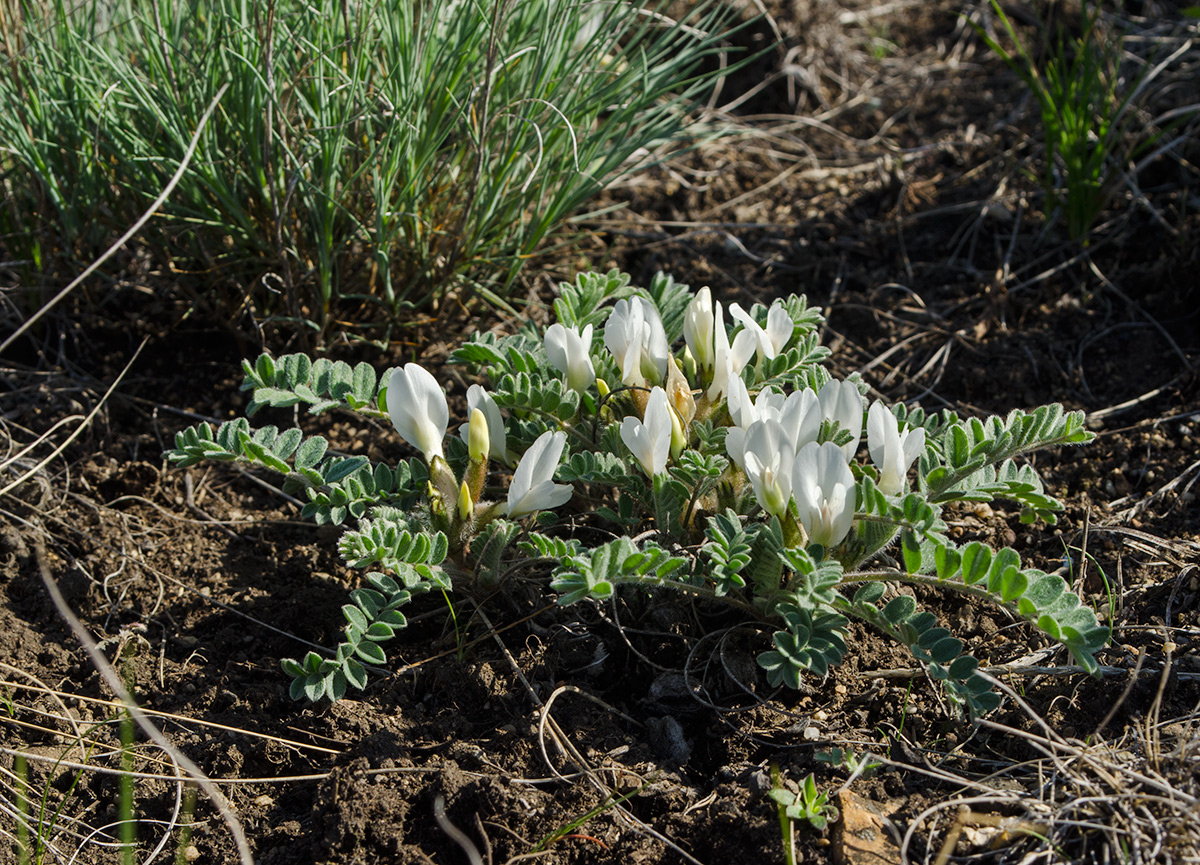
{"x": 716, "y": 451}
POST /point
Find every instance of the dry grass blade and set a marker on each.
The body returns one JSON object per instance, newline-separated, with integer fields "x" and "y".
{"x": 182, "y": 720}
{"x": 566, "y": 748}
{"x": 1089, "y": 793}
{"x": 140, "y": 718}
{"x": 83, "y": 424}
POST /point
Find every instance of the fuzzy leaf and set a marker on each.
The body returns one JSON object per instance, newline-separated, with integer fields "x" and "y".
{"x": 310, "y": 452}
{"x": 899, "y": 608}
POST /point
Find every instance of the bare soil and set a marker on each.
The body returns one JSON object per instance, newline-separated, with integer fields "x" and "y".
{"x": 906, "y": 211}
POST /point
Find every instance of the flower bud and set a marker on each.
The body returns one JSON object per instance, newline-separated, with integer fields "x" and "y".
{"x": 478, "y": 443}
{"x": 678, "y": 439}
{"x": 465, "y": 505}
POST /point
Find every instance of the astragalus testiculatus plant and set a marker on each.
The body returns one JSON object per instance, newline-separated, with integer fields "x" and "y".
{"x": 714, "y": 451}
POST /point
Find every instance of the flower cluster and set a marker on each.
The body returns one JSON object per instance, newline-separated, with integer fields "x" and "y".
{"x": 417, "y": 406}
{"x": 709, "y": 453}
{"x": 794, "y": 450}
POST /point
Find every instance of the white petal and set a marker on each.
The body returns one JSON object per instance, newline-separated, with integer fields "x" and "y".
{"x": 656, "y": 351}
{"x": 637, "y": 439}
{"x": 658, "y": 424}
{"x": 722, "y": 369}
{"x": 779, "y": 328}
{"x": 570, "y": 353}
{"x": 841, "y": 402}
{"x": 768, "y": 464}
{"x": 698, "y": 328}
{"x": 544, "y": 496}
{"x": 556, "y": 348}
{"x": 742, "y": 410}
{"x": 882, "y": 433}
{"x": 478, "y": 398}
{"x": 735, "y": 446}
{"x": 754, "y": 328}
{"x": 822, "y": 484}
{"x": 581, "y": 374}
{"x": 841, "y": 508}
{"x": 801, "y": 417}
{"x": 532, "y": 488}
{"x": 744, "y": 345}
{"x": 622, "y": 337}
{"x": 417, "y": 406}
{"x": 914, "y": 444}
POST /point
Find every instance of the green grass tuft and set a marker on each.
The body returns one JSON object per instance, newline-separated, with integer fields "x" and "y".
{"x": 386, "y": 154}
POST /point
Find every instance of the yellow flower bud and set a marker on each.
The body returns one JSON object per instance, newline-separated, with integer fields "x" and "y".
{"x": 478, "y": 442}
{"x": 678, "y": 439}
{"x": 465, "y": 505}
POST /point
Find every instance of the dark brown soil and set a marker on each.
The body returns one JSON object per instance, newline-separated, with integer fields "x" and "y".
{"x": 909, "y": 217}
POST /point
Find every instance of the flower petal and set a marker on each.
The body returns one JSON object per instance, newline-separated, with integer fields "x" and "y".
{"x": 417, "y": 406}
{"x": 779, "y": 328}
{"x": 532, "y": 488}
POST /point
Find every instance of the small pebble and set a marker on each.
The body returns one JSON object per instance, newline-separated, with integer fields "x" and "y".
{"x": 759, "y": 783}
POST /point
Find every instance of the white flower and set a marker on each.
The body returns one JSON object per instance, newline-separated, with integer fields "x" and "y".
{"x": 744, "y": 413}
{"x": 417, "y": 405}
{"x": 777, "y": 334}
{"x": 634, "y": 334}
{"x": 533, "y": 487}
{"x": 698, "y": 322}
{"x": 767, "y": 461}
{"x": 570, "y": 352}
{"x": 478, "y": 398}
{"x": 742, "y": 410}
{"x": 769, "y": 403}
{"x": 801, "y": 417}
{"x": 841, "y": 402}
{"x": 824, "y": 489}
{"x": 650, "y": 441}
{"x": 891, "y": 451}
{"x": 728, "y": 361}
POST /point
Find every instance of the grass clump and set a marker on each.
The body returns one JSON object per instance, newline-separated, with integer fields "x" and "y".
{"x": 1089, "y": 110}
{"x": 383, "y": 154}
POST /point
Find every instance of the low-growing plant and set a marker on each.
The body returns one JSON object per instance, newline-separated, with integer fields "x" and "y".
{"x": 805, "y": 804}
{"x": 857, "y": 765}
{"x": 378, "y": 154}
{"x": 39, "y": 820}
{"x": 667, "y": 451}
{"x": 796, "y": 803}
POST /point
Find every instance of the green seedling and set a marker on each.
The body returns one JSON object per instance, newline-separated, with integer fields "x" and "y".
{"x": 35, "y": 826}
{"x": 24, "y": 812}
{"x": 187, "y": 813}
{"x": 858, "y": 765}
{"x": 569, "y": 828}
{"x": 803, "y": 805}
